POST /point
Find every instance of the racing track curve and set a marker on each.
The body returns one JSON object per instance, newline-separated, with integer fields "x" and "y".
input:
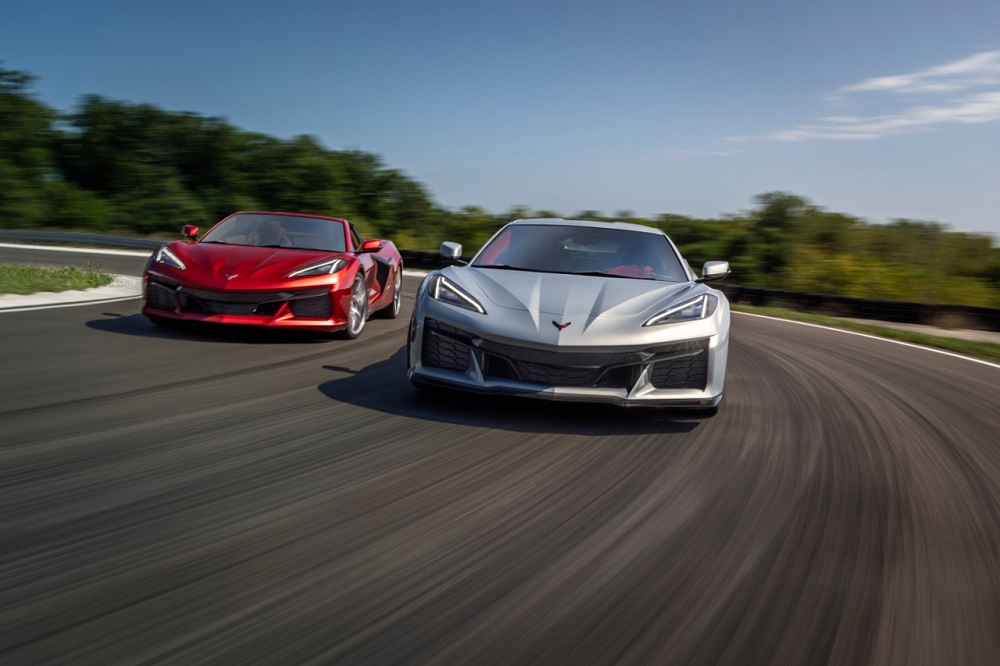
{"x": 239, "y": 497}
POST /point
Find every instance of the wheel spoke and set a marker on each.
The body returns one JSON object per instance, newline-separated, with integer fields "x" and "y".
{"x": 396, "y": 296}
{"x": 357, "y": 306}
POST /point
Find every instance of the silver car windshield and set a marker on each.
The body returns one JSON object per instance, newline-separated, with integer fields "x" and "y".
{"x": 287, "y": 231}
{"x": 601, "y": 251}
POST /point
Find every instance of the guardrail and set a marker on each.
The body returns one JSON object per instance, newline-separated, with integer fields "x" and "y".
{"x": 62, "y": 237}
{"x": 928, "y": 314}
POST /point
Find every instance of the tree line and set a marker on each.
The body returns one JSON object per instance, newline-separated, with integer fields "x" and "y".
{"x": 116, "y": 167}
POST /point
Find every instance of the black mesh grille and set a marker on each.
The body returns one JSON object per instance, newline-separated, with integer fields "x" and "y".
{"x": 444, "y": 347}
{"x": 687, "y": 370}
{"x": 318, "y": 307}
{"x": 560, "y": 368}
{"x": 538, "y": 373}
{"x": 197, "y": 305}
{"x": 200, "y": 301}
{"x": 160, "y": 295}
{"x": 681, "y": 365}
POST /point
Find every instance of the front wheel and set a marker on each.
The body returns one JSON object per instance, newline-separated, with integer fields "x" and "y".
{"x": 357, "y": 315}
{"x": 392, "y": 311}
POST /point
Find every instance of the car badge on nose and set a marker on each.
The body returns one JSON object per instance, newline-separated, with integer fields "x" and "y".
{"x": 230, "y": 277}
{"x": 560, "y": 326}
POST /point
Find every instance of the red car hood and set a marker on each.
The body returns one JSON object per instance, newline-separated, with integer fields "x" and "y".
{"x": 242, "y": 267}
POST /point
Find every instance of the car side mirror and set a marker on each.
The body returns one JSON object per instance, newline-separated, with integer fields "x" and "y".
{"x": 450, "y": 251}
{"x": 189, "y": 231}
{"x": 714, "y": 270}
{"x": 371, "y": 245}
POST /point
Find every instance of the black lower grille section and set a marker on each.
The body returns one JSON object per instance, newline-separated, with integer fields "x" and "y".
{"x": 608, "y": 370}
{"x": 197, "y": 305}
{"x": 445, "y": 347}
{"x": 314, "y": 302}
{"x": 687, "y": 370}
{"x": 160, "y": 295}
{"x": 317, "y": 307}
{"x": 682, "y": 365}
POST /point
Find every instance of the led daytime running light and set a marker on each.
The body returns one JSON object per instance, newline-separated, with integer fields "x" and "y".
{"x": 165, "y": 256}
{"x": 441, "y": 284}
{"x": 697, "y": 308}
{"x": 327, "y": 267}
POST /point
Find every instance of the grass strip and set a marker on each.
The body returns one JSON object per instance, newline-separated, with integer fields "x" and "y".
{"x": 19, "y": 279}
{"x": 984, "y": 350}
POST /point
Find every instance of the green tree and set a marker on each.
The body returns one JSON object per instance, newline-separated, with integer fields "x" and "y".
{"x": 25, "y": 152}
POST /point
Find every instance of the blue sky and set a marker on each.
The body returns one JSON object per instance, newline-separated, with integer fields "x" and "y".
{"x": 882, "y": 110}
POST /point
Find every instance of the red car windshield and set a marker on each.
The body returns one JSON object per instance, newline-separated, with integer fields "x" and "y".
{"x": 271, "y": 230}
{"x": 602, "y": 251}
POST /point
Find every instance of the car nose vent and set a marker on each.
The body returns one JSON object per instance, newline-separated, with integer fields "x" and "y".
{"x": 316, "y": 307}
{"x": 686, "y": 367}
{"x": 445, "y": 347}
{"x": 160, "y": 295}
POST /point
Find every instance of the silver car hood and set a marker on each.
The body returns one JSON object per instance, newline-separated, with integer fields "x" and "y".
{"x": 561, "y": 294}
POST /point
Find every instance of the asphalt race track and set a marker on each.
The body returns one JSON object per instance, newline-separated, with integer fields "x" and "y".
{"x": 235, "y": 497}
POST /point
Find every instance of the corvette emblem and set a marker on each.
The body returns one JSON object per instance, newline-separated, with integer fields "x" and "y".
{"x": 560, "y": 326}
{"x": 230, "y": 277}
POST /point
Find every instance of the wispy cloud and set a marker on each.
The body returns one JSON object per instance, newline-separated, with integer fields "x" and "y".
{"x": 981, "y": 69}
{"x": 981, "y": 108}
{"x": 971, "y": 85}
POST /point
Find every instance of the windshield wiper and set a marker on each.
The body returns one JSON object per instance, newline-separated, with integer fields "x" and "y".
{"x": 510, "y": 268}
{"x": 611, "y": 275}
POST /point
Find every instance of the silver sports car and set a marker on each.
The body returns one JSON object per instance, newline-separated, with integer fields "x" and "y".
{"x": 574, "y": 310}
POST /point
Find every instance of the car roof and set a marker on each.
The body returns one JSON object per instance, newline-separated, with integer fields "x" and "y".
{"x": 587, "y": 223}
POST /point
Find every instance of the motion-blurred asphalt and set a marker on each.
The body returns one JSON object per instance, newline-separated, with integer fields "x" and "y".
{"x": 236, "y": 497}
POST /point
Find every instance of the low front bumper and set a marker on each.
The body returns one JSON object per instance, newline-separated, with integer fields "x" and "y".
{"x": 685, "y": 373}
{"x": 314, "y": 308}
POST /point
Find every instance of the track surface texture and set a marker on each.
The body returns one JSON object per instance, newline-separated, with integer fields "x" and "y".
{"x": 235, "y": 497}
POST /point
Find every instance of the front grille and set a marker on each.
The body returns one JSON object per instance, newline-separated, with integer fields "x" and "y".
{"x": 196, "y": 305}
{"x": 317, "y": 307}
{"x": 558, "y": 368}
{"x": 681, "y": 365}
{"x": 204, "y": 302}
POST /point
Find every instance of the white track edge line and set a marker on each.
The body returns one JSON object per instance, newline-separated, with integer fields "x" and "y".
{"x": 875, "y": 337}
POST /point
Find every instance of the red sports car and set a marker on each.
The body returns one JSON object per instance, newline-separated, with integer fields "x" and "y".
{"x": 280, "y": 270}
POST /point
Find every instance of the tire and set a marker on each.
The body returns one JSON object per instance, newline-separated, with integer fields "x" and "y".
{"x": 392, "y": 310}
{"x": 357, "y": 314}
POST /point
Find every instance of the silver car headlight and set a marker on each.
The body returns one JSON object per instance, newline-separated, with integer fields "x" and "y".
{"x": 325, "y": 268}
{"x": 165, "y": 256}
{"x": 697, "y": 308}
{"x": 444, "y": 290}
